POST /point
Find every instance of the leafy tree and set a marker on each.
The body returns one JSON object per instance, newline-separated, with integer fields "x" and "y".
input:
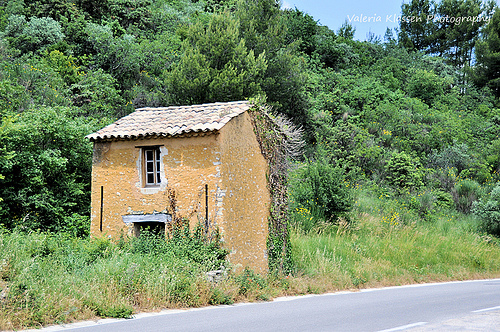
{"x": 301, "y": 27}
{"x": 419, "y": 33}
{"x": 336, "y": 54}
{"x": 96, "y": 93}
{"x": 455, "y": 40}
{"x": 216, "y": 65}
{"x": 47, "y": 179}
{"x": 264, "y": 29}
{"x": 426, "y": 85}
{"x": 34, "y": 83}
{"x": 487, "y": 68}
{"x": 119, "y": 56}
{"x": 66, "y": 12}
{"x": 34, "y": 34}
{"x": 347, "y": 31}
{"x": 131, "y": 13}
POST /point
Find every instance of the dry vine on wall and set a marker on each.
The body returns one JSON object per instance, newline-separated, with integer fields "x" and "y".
{"x": 279, "y": 141}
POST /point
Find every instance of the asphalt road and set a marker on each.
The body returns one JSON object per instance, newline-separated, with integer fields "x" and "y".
{"x": 462, "y": 306}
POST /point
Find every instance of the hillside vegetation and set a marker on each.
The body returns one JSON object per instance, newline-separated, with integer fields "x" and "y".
{"x": 398, "y": 181}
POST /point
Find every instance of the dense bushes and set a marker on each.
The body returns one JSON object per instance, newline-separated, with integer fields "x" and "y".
{"x": 47, "y": 173}
{"x": 488, "y": 211}
{"x": 322, "y": 190}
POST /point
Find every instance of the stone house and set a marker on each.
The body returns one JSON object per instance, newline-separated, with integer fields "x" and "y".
{"x": 205, "y": 157}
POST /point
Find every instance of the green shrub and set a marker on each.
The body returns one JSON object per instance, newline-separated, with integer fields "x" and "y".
{"x": 403, "y": 171}
{"x": 465, "y": 193}
{"x": 488, "y": 212}
{"x": 444, "y": 200}
{"x": 249, "y": 281}
{"x": 455, "y": 156}
{"x": 322, "y": 189}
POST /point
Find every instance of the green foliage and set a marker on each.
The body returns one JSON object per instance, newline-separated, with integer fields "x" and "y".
{"x": 456, "y": 41}
{"x": 47, "y": 181}
{"x": 389, "y": 242}
{"x": 264, "y": 28}
{"x": 417, "y": 35}
{"x": 249, "y": 281}
{"x": 131, "y": 12}
{"x": 33, "y": 83}
{"x": 336, "y": 55}
{"x": 322, "y": 189}
{"x": 403, "y": 171}
{"x": 65, "y": 65}
{"x": 488, "y": 211}
{"x": 488, "y": 56}
{"x": 216, "y": 65}
{"x": 465, "y": 193}
{"x": 426, "y": 85}
{"x": 493, "y": 156}
{"x": 301, "y": 27}
{"x": 96, "y": 94}
{"x": 12, "y": 97}
{"x": 191, "y": 246}
{"x": 49, "y": 278}
{"x": 445, "y": 28}
{"x": 35, "y": 34}
{"x": 455, "y": 156}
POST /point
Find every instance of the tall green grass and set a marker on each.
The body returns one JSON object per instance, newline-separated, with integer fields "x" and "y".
{"x": 50, "y": 278}
{"x": 392, "y": 244}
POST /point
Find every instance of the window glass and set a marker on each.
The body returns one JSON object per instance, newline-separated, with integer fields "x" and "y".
{"x": 152, "y": 166}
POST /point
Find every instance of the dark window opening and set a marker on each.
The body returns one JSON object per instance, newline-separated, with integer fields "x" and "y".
{"x": 151, "y": 227}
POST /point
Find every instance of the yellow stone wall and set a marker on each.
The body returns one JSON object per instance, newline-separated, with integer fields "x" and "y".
{"x": 247, "y": 198}
{"x": 230, "y": 163}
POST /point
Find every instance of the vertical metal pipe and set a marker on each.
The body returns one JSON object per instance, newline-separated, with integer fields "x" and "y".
{"x": 206, "y": 209}
{"x": 102, "y": 207}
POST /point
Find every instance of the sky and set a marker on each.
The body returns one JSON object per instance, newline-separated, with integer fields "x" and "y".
{"x": 377, "y": 16}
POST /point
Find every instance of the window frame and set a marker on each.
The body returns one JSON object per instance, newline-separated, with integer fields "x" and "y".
{"x": 151, "y": 166}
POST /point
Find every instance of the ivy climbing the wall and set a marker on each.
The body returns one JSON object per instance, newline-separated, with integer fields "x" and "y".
{"x": 280, "y": 141}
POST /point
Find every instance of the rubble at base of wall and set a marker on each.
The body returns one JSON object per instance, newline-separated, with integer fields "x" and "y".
{"x": 216, "y": 275}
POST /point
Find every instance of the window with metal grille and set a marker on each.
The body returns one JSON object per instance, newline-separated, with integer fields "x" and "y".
{"x": 152, "y": 166}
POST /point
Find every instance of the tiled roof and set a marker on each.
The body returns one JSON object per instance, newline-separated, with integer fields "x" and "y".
{"x": 172, "y": 121}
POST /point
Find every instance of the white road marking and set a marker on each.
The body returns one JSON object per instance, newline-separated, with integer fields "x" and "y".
{"x": 404, "y": 327}
{"x": 488, "y": 309}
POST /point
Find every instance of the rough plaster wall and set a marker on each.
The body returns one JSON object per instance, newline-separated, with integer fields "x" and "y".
{"x": 247, "y": 198}
{"x": 188, "y": 164}
{"x": 230, "y": 163}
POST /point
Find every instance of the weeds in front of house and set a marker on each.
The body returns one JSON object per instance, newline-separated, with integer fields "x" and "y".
{"x": 50, "y": 279}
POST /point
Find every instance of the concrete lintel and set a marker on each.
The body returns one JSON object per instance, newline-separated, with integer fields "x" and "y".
{"x": 156, "y": 217}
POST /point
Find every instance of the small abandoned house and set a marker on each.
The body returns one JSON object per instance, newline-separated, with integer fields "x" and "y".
{"x": 205, "y": 157}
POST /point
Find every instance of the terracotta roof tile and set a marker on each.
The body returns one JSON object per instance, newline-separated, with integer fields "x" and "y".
{"x": 172, "y": 121}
